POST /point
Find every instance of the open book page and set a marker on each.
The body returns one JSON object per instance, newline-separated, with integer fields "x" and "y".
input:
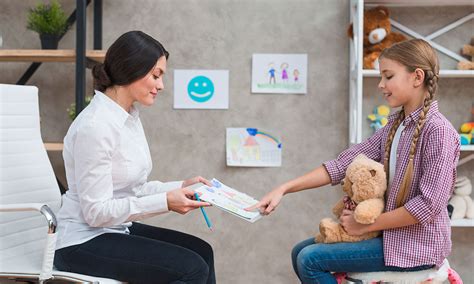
{"x": 228, "y": 199}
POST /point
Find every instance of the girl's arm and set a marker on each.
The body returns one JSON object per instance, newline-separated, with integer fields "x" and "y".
{"x": 397, "y": 218}
{"x": 316, "y": 178}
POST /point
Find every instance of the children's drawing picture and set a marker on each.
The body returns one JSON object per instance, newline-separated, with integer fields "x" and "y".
{"x": 228, "y": 199}
{"x": 279, "y": 73}
{"x": 252, "y": 147}
{"x": 201, "y": 89}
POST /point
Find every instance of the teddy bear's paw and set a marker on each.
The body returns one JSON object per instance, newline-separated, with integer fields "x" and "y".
{"x": 365, "y": 217}
{"x": 330, "y": 230}
{"x": 319, "y": 238}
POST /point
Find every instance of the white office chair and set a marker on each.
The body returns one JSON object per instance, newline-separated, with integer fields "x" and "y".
{"x": 28, "y": 187}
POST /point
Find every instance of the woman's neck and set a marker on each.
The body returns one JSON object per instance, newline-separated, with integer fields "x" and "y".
{"x": 120, "y": 96}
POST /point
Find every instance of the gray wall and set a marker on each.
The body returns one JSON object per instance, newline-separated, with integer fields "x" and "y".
{"x": 216, "y": 34}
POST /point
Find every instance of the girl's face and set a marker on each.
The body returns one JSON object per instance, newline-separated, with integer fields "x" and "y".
{"x": 145, "y": 90}
{"x": 400, "y": 87}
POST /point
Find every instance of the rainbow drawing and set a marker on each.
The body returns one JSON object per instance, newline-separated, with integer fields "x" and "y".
{"x": 255, "y": 132}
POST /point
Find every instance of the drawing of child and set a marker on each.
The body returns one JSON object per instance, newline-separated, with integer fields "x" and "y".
{"x": 296, "y": 74}
{"x": 284, "y": 73}
{"x": 271, "y": 72}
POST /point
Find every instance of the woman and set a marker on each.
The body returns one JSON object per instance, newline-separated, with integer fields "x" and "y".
{"x": 107, "y": 162}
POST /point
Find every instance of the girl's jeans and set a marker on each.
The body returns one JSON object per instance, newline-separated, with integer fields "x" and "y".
{"x": 314, "y": 262}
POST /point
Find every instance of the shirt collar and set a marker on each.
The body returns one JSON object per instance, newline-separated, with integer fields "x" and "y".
{"x": 415, "y": 115}
{"x": 120, "y": 114}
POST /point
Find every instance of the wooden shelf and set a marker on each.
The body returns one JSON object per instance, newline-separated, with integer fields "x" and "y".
{"x": 462, "y": 223}
{"x": 442, "y": 73}
{"x": 48, "y": 55}
{"x": 467, "y": 147}
{"x": 54, "y": 146}
{"x": 411, "y": 3}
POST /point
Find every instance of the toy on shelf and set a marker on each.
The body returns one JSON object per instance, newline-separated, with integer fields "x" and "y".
{"x": 467, "y": 130}
{"x": 378, "y": 35}
{"x": 364, "y": 186}
{"x": 467, "y": 50}
{"x": 461, "y": 200}
{"x": 379, "y": 117}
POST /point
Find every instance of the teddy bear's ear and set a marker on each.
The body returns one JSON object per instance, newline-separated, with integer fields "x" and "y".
{"x": 383, "y": 10}
{"x": 372, "y": 172}
{"x": 350, "y": 32}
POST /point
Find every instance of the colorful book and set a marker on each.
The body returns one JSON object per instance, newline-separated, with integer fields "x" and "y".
{"x": 228, "y": 199}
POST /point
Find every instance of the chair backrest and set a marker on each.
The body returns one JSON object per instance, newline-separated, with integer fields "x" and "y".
{"x": 26, "y": 176}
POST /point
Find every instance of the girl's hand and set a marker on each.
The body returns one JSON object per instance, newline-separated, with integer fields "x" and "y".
{"x": 269, "y": 202}
{"x": 350, "y": 225}
{"x": 182, "y": 201}
{"x": 195, "y": 180}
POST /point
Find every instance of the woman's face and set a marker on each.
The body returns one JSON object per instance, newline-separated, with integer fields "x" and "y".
{"x": 145, "y": 90}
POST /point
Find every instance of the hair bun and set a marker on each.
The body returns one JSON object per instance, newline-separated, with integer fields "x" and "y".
{"x": 101, "y": 78}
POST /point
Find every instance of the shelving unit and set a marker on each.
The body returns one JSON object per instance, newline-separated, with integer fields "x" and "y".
{"x": 79, "y": 55}
{"x": 42, "y": 55}
{"x": 462, "y": 223}
{"x": 357, "y": 73}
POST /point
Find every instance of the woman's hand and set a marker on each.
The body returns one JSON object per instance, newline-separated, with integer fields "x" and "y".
{"x": 269, "y": 202}
{"x": 195, "y": 180}
{"x": 182, "y": 200}
{"x": 350, "y": 225}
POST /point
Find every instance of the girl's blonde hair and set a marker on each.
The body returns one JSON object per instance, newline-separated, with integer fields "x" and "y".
{"x": 413, "y": 54}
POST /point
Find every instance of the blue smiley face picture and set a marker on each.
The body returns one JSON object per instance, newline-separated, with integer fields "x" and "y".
{"x": 200, "y": 89}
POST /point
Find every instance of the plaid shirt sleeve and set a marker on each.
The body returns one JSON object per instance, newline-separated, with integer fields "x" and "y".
{"x": 440, "y": 158}
{"x": 370, "y": 147}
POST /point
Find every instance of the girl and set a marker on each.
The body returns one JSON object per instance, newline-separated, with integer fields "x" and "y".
{"x": 420, "y": 150}
{"x": 107, "y": 162}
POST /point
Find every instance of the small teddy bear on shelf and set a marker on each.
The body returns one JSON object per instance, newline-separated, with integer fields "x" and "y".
{"x": 365, "y": 184}
{"x": 463, "y": 206}
{"x": 468, "y": 50}
{"x": 377, "y": 35}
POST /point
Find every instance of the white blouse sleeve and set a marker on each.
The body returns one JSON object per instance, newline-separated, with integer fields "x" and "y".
{"x": 154, "y": 187}
{"x": 93, "y": 150}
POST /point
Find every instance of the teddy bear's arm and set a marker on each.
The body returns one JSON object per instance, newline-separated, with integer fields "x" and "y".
{"x": 368, "y": 210}
{"x": 337, "y": 209}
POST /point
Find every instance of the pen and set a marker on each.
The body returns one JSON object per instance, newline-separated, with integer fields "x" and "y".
{"x": 208, "y": 222}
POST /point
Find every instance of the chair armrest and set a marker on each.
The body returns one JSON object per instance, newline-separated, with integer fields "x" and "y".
{"x": 48, "y": 255}
{"x": 40, "y": 207}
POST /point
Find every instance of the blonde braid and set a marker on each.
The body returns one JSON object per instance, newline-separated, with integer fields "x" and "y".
{"x": 431, "y": 81}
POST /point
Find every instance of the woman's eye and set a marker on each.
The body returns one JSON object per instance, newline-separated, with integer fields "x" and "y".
{"x": 389, "y": 77}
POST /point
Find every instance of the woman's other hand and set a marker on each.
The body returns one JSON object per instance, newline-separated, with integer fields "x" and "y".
{"x": 195, "y": 180}
{"x": 269, "y": 202}
{"x": 182, "y": 200}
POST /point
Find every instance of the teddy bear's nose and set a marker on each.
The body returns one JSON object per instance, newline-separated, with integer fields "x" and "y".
{"x": 377, "y": 35}
{"x": 342, "y": 182}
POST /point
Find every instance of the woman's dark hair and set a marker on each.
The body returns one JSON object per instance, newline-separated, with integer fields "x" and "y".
{"x": 128, "y": 59}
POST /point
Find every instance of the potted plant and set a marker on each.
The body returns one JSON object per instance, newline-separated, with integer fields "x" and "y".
{"x": 71, "y": 110}
{"x": 49, "y": 21}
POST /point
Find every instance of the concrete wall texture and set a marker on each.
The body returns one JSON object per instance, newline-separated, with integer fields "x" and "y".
{"x": 216, "y": 34}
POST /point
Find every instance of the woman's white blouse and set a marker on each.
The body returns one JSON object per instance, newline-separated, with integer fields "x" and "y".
{"x": 107, "y": 163}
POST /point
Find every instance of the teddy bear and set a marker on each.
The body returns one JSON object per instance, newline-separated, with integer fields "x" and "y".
{"x": 378, "y": 35}
{"x": 468, "y": 49}
{"x": 461, "y": 200}
{"x": 364, "y": 185}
